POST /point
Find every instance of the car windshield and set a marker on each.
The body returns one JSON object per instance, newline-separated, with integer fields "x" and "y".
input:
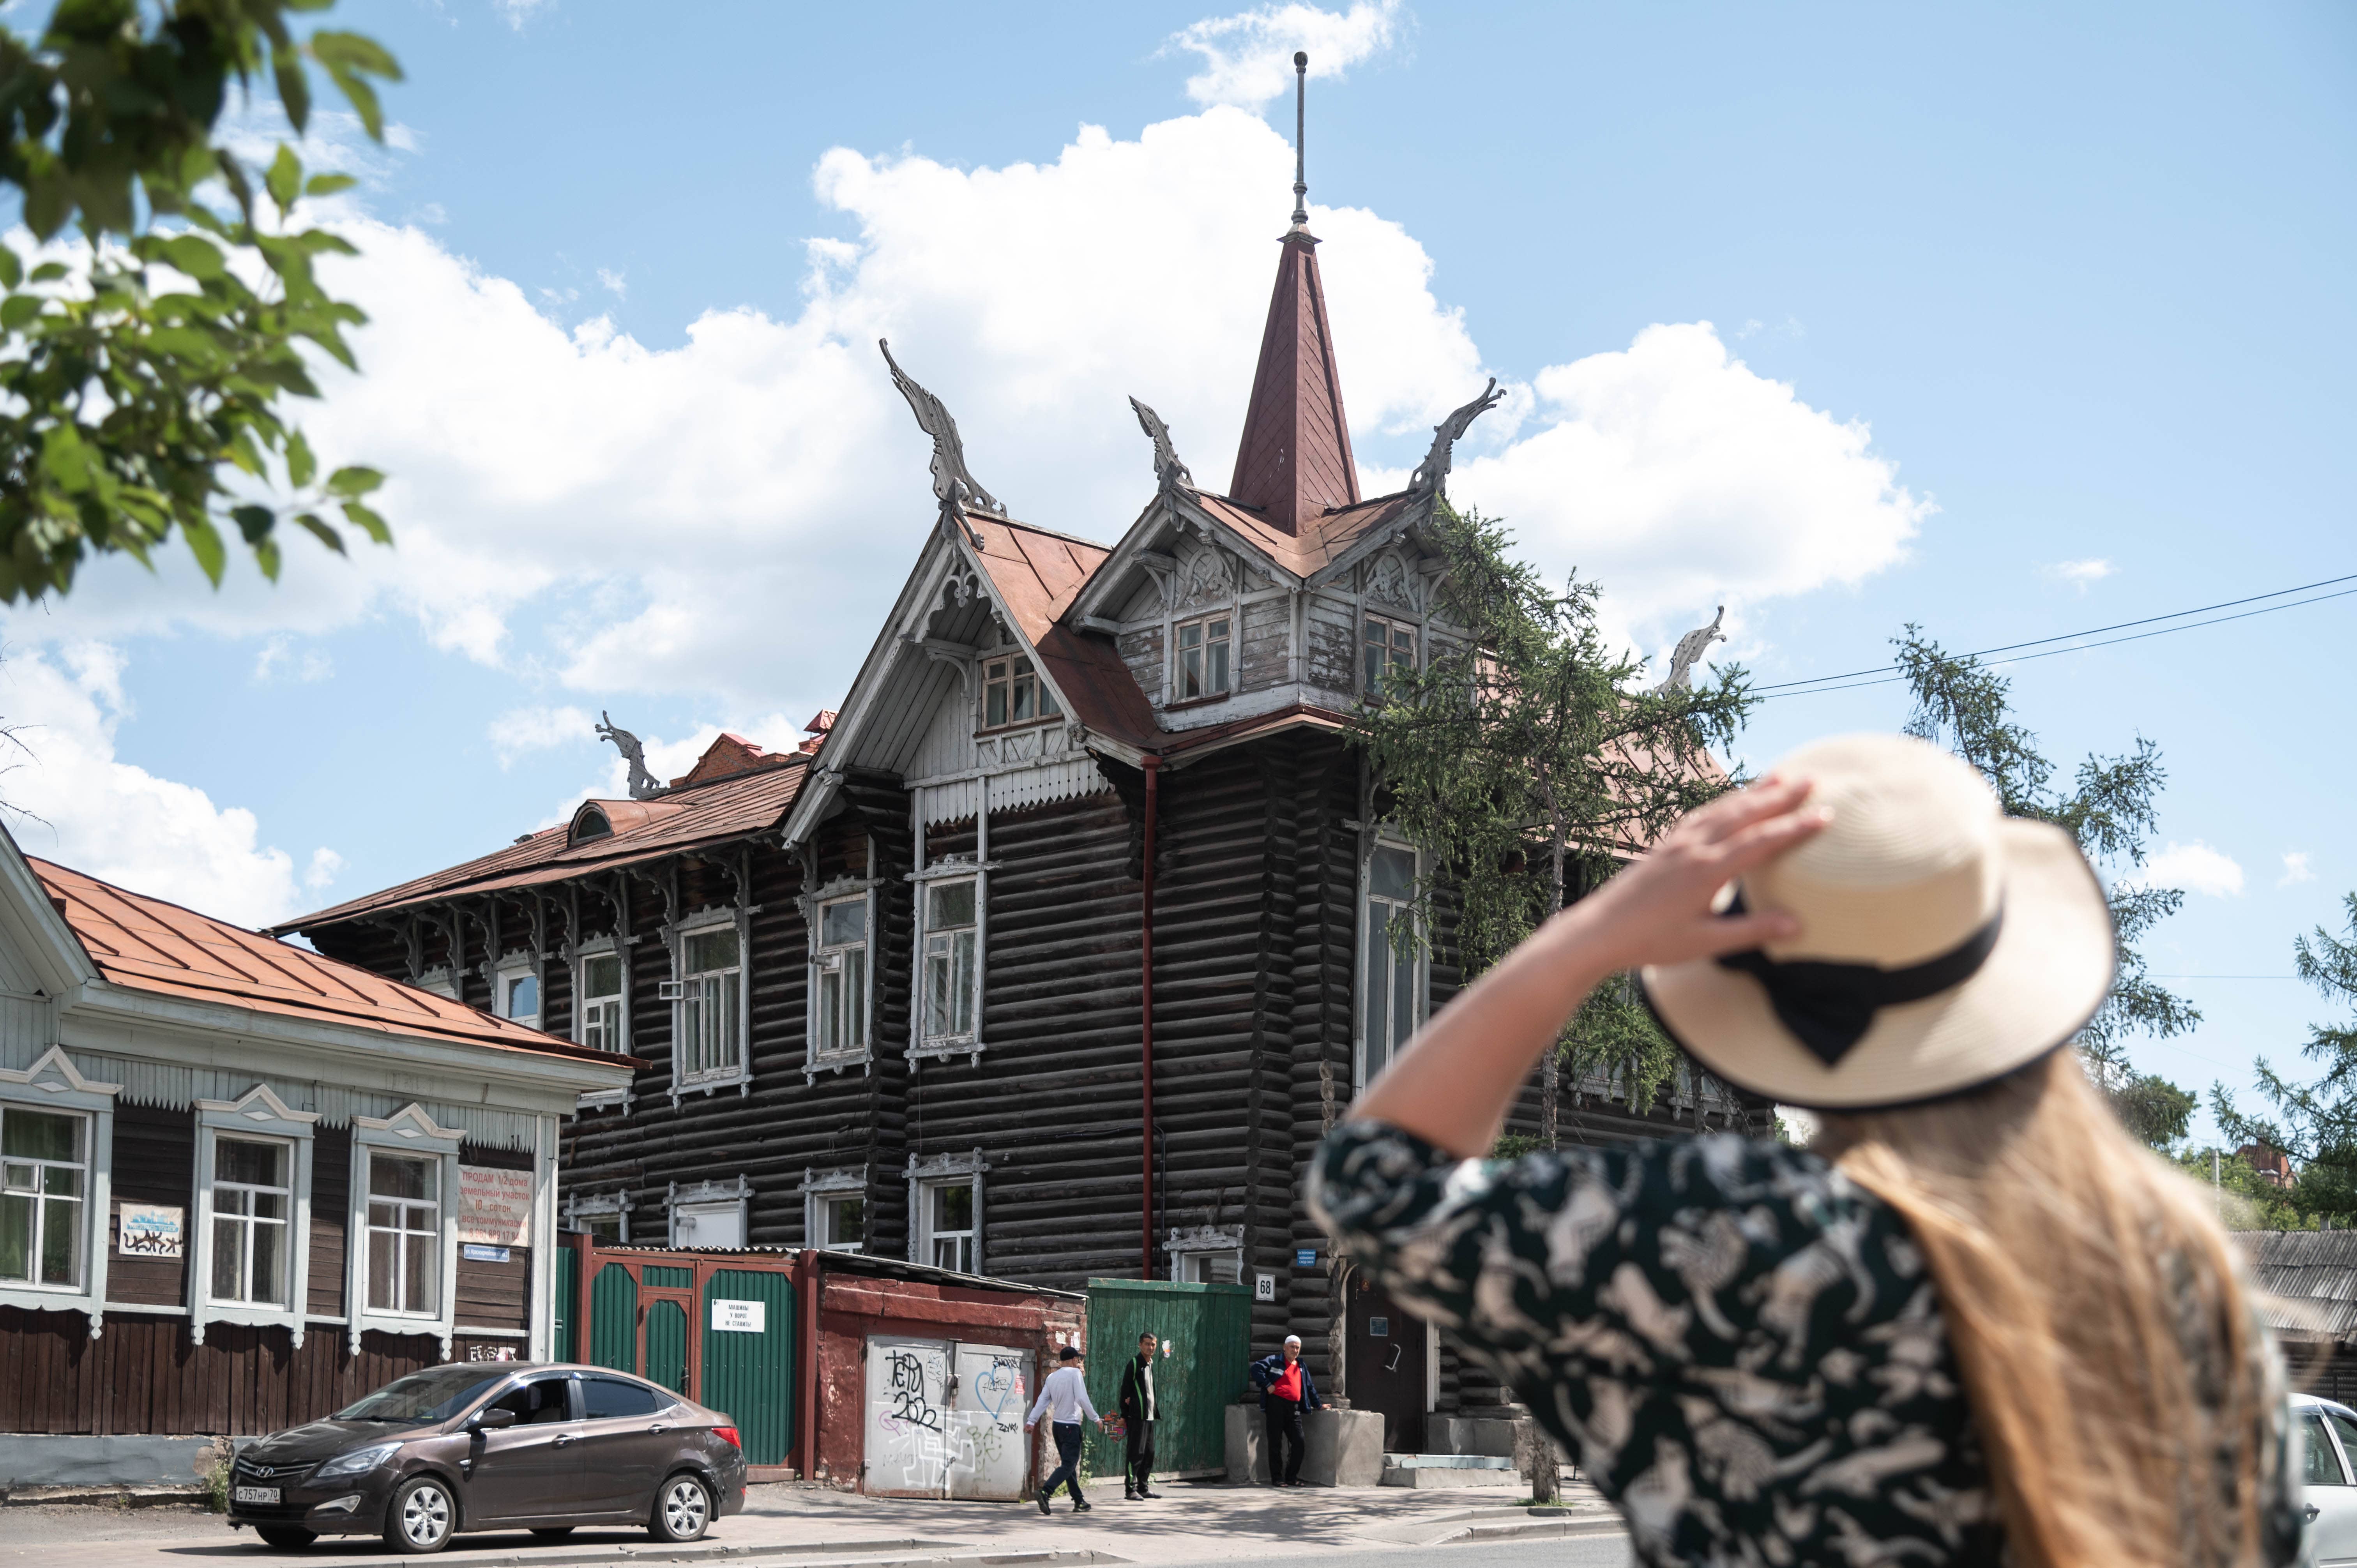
{"x": 422, "y": 1399}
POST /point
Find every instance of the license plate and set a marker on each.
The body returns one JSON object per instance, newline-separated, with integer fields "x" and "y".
{"x": 257, "y": 1494}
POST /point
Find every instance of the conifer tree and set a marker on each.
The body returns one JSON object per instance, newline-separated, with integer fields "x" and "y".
{"x": 2313, "y": 1122}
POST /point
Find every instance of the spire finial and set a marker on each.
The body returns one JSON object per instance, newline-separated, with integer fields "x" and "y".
{"x": 1300, "y": 125}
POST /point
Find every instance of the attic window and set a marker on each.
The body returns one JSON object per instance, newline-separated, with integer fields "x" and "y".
{"x": 1013, "y": 693}
{"x": 591, "y": 823}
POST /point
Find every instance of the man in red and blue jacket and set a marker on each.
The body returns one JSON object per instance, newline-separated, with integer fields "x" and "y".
{"x": 1286, "y": 1390}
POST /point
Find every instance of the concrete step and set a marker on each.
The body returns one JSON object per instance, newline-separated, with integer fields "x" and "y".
{"x": 1426, "y": 1471}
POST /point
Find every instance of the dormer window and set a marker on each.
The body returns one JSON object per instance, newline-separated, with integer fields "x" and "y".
{"x": 1013, "y": 693}
{"x": 590, "y": 823}
{"x": 1202, "y": 654}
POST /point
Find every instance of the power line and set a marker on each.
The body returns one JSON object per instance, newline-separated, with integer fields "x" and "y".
{"x": 1807, "y": 689}
{"x": 2092, "y": 631}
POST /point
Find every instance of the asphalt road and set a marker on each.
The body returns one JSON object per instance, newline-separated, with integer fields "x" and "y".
{"x": 1562, "y": 1551}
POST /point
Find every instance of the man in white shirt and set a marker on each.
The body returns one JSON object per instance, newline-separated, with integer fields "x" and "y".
{"x": 1064, "y": 1400}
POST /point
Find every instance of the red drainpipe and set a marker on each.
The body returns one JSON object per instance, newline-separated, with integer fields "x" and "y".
{"x": 1145, "y": 1017}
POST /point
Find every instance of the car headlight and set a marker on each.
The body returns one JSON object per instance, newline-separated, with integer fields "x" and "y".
{"x": 358, "y": 1462}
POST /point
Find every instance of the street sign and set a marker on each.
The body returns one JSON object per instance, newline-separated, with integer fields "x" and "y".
{"x": 1307, "y": 1257}
{"x": 740, "y": 1316}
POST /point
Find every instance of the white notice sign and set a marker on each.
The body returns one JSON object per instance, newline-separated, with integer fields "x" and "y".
{"x": 740, "y": 1316}
{"x": 148, "y": 1230}
{"x": 494, "y": 1206}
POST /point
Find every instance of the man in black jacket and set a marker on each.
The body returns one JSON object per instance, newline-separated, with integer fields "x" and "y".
{"x": 1139, "y": 1414}
{"x": 1286, "y": 1390}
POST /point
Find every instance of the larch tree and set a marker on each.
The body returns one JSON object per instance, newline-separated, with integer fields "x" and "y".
{"x": 1525, "y": 762}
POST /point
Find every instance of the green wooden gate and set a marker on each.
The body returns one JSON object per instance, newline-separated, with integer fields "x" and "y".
{"x": 667, "y": 1344}
{"x": 614, "y": 1318}
{"x": 1208, "y": 1329}
{"x": 567, "y": 1344}
{"x": 748, "y": 1374}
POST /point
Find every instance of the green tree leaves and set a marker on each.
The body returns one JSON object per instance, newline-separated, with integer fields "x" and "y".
{"x": 142, "y": 390}
{"x": 1523, "y": 763}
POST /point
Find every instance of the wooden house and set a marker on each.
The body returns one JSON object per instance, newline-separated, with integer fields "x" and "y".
{"x": 242, "y": 1184}
{"x": 1057, "y": 951}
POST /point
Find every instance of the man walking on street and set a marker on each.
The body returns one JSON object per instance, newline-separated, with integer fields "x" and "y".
{"x": 1064, "y": 1399}
{"x": 1138, "y": 1414}
{"x": 1285, "y": 1391}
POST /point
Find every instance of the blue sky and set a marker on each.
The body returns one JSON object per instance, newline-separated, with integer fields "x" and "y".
{"x": 2019, "y": 321}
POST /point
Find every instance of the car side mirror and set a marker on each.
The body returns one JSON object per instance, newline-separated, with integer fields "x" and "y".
{"x": 493, "y": 1419}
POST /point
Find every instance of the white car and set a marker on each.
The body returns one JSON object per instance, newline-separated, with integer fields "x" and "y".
{"x": 2328, "y": 1480}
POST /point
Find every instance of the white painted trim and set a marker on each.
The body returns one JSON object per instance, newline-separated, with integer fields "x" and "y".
{"x": 544, "y": 1243}
{"x": 943, "y": 1170}
{"x": 1419, "y": 983}
{"x": 813, "y": 903}
{"x": 515, "y": 965}
{"x": 822, "y": 1187}
{"x": 737, "y": 1194}
{"x": 409, "y": 1130}
{"x": 260, "y": 1115}
{"x": 675, "y": 938}
{"x": 54, "y": 1083}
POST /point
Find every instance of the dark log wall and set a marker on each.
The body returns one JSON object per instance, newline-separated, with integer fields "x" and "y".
{"x": 143, "y": 1376}
{"x": 332, "y": 1192}
{"x": 155, "y": 1161}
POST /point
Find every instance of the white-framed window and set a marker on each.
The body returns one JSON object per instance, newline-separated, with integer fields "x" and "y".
{"x": 515, "y": 993}
{"x": 57, "y": 1137}
{"x": 1013, "y": 693}
{"x": 605, "y": 1217}
{"x": 1390, "y": 989}
{"x": 952, "y": 977}
{"x": 840, "y": 974}
{"x": 599, "y": 1018}
{"x": 709, "y": 1213}
{"x": 951, "y": 1234}
{"x": 401, "y": 1261}
{"x": 1202, "y": 662}
{"x": 249, "y": 1242}
{"x": 711, "y": 1004}
{"x": 835, "y": 1209}
{"x": 440, "y": 981}
{"x": 1207, "y": 1254}
{"x": 45, "y": 1191}
{"x": 404, "y": 1234}
{"x": 945, "y": 1211}
{"x": 1384, "y": 645}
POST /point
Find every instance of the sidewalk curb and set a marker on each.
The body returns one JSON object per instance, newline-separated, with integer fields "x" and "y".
{"x": 892, "y": 1552}
{"x": 1607, "y": 1523}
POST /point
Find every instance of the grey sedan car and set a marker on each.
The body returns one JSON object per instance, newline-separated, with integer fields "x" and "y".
{"x": 494, "y": 1446}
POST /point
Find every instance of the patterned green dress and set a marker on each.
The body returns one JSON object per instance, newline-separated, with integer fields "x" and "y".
{"x": 1742, "y": 1348}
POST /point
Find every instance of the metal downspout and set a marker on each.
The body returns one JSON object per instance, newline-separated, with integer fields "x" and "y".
{"x": 1146, "y": 1019}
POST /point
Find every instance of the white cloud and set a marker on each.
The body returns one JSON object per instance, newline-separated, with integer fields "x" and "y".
{"x": 2196, "y": 867}
{"x": 519, "y": 12}
{"x": 325, "y": 863}
{"x": 278, "y": 660}
{"x": 521, "y": 730}
{"x": 2079, "y": 574}
{"x": 729, "y": 518}
{"x": 613, "y": 280}
{"x": 2296, "y": 868}
{"x": 669, "y": 759}
{"x": 120, "y": 823}
{"x": 1681, "y": 479}
{"x": 1248, "y": 58}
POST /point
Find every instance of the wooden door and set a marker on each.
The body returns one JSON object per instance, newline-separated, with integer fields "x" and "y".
{"x": 1385, "y": 1363}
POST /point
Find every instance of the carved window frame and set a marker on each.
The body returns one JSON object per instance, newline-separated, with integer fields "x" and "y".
{"x": 731, "y": 1197}
{"x": 407, "y": 1132}
{"x": 519, "y": 964}
{"x": 1184, "y": 604}
{"x": 1192, "y": 1252}
{"x": 843, "y": 889}
{"x": 1394, "y": 623}
{"x": 256, "y": 1116}
{"x": 580, "y": 1207}
{"x": 824, "y": 1189}
{"x": 577, "y": 957}
{"x": 740, "y": 1075}
{"x": 1047, "y": 707}
{"x": 950, "y": 868}
{"x": 1228, "y": 640}
{"x": 927, "y": 1175}
{"x": 54, "y": 1084}
{"x": 1419, "y": 961}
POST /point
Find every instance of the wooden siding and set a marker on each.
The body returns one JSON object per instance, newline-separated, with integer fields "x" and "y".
{"x": 1141, "y": 649}
{"x": 332, "y": 1192}
{"x": 494, "y": 1296}
{"x": 1265, "y": 643}
{"x": 1333, "y": 658}
{"x": 143, "y": 1376}
{"x": 155, "y": 1161}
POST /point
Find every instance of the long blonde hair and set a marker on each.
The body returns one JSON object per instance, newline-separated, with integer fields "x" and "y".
{"x": 2098, "y": 1315}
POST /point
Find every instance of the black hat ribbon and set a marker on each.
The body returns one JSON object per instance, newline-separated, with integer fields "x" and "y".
{"x": 1830, "y": 1007}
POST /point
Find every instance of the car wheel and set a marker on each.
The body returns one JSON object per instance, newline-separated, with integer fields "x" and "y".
{"x": 286, "y": 1537}
{"x": 683, "y": 1508}
{"x": 552, "y": 1531}
{"x": 421, "y": 1516}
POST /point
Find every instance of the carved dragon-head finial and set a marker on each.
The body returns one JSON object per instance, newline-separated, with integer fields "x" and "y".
{"x": 1168, "y": 471}
{"x": 644, "y": 784}
{"x": 1689, "y": 653}
{"x": 1429, "y": 473}
{"x": 954, "y": 486}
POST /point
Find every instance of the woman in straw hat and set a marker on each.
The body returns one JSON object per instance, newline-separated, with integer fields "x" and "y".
{"x": 1975, "y": 1322}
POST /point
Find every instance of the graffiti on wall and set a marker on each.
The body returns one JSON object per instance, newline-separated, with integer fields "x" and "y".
{"x": 908, "y": 1417}
{"x": 946, "y": 1420}
{"x": 986, "y": 1437}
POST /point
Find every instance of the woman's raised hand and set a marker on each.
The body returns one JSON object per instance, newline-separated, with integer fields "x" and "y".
{"x": 1658, "y": 909}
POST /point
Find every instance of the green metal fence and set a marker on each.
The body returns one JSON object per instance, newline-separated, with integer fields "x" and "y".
{"x": 667, "y": 1344}
{"x": 1208, "y": 1329}
{"x": 751, "y": 1375}
{"x": 614, "y": 1319}
{"x": 568, "y": 1347}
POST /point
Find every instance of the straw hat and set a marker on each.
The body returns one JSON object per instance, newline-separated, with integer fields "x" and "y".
{"x": 1942, "y": 944}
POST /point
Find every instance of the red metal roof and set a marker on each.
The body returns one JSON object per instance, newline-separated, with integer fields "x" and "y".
{"x": 1294, "y": 462}
{"x": 1319, "y": 540}
{"x": 148, "y": 944}
{"x": 643, "y": 830}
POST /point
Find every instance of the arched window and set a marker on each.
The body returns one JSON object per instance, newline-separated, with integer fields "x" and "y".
{"x": 591, "y": 823}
